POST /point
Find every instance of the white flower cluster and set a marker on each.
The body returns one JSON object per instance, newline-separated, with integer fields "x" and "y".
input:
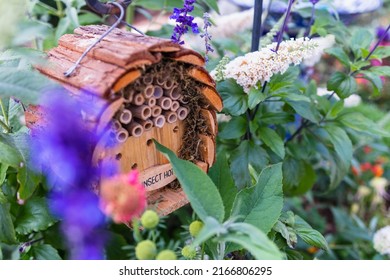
{"x": 382, "y": 240}
{"x": 323, "y": 43}
{"x": 259, "y": 66}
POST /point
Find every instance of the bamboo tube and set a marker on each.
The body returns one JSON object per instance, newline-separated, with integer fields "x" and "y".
{"x": 182, "y": 113}
{"x": 122, "y": 135}
{"x": 182, "y": 101}
{"x": 135, "y": 129}
{"x": 159, "y": 80}
{"x": 175, "y": 106}
{"x": 168, "y": 84}
{"x": 158, "y": 92}
{"x": 138, "y": 99}
{"x": 116, "y": 125}
{"x": 173, "y": 93}
{"x": 148, "y": 91}
{"x": 165, "y": 103}
{"x": 171, "y": 117}
{"x": 142, "y": 112}
{"x": 148, "y": 80}
{"x": 151, "y": 102}
{"x": 156, "y": 111}
{"x": 159, "y": 121}
{"x": 128, "y": 95}
{"x": 146, "y": 124}
{"x": 125, "y": 116}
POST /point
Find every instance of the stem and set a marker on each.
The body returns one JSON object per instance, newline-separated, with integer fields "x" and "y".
{"x": 203, "y": 247}
{"x": 5, "y": 127}
{"x": 222, "y": 247}
{"x": 307, "y": 33}
{"x": 6, "y": 121}
{"x": 280, "y": 36}
{"x": 377, "y": 43}
{"x": 60, "y": 8}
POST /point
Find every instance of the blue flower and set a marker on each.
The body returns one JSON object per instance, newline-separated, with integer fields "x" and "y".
{"x": 64, "y": 149}
{"x": 183, "y": 21}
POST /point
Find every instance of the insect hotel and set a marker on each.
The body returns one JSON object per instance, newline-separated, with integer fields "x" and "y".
{"x": 152, "y": 89}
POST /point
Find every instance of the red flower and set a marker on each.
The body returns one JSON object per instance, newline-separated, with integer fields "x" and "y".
{"x": 123, "y": 197}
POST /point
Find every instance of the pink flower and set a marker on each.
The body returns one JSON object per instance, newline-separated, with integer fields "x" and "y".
{"x": 123, "y": 197}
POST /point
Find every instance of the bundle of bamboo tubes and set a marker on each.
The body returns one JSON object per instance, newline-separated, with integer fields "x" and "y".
{"x": 150, "y": 102}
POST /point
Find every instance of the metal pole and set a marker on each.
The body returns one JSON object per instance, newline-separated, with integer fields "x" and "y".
{"x": 256, "y": 32}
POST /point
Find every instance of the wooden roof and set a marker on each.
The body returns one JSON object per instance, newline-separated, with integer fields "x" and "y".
{"x": 118, "y": 59}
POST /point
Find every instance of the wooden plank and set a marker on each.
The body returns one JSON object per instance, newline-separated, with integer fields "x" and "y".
{"x": 157, "y": 177}
{"x": 167, "y": 200}
{"x": 97, "y": 82}
{"x": 153, "y": 44}
{"x": 108, "y": 114}
{"x": 187, "y": 56}
{"x": 207, "y": 149}
{"x": 201, "y": 75}
{"x": 141, "y": 153}
{"x": 119, "y": 54}
{"x": 210, "y": 120}
{"x": 126, "y": 79}
{"x": 213, "y": 98}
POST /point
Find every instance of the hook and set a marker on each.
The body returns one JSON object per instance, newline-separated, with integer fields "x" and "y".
{"x": 119, "y": 20}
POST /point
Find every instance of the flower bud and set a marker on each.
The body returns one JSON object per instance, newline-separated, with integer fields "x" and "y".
{"x": 146, "y": 250}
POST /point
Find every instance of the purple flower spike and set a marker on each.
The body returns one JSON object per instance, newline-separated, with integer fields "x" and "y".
{"x": 64, "y": 149}
{"x": 206, "y": 36}
{"x": 183, "y": 21}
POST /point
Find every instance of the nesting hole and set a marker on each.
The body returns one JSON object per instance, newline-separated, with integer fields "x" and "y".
{"x": 134, "y": 166}
{"x": 175, "y": 129}
{"x": 149, "y": 142}
{"x": 118, "y": 156}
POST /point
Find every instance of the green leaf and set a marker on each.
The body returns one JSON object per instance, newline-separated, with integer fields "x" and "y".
{"x": 234, "y": 129}
{"x": 298, "y": 177}
{"x": 3, "y": 173}
{"x": 262, "y": 204}
{"x": 381, "y": 52}
{"x": 343, "y": 84}
{"x": 375, "y": 80}
{"x": 380, "y": 70}
{"x": 28, "y": 181}
{"x": 289, "y": 236}
{"x": 359, "y": 122}
{"x": 272, "y": 140}
{"x": 222, "y": 178}
{"x": 340, "y": 54}
{"x": 3, "y": 198}
{"x": 199, "y": 188}
{"x": 13, "y": 149}
{"x": 308, "y": 234}
{"x": 34, "y": 216}
{"x": 7, "y": 231}
{"x": 291, "y": 93}
{"x": 305, "y": 109}
{"x": 24, "y": 85}
{"x": 210, "y": 228}
{"x": 342, "y": 145}
{"x": 235, "y": 100}
{"x": 361, "y": 39}
{"x": 246, "y": 154}
{"x": 44, "y": 252}
{"x": 255, "y": 96}
{"x": 336, "y": 108}
{"x": 212, "y": 4}
{"x": 252, "y": 239}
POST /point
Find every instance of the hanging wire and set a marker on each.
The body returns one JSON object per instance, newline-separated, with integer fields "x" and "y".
{"x": 119, "y": 20}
